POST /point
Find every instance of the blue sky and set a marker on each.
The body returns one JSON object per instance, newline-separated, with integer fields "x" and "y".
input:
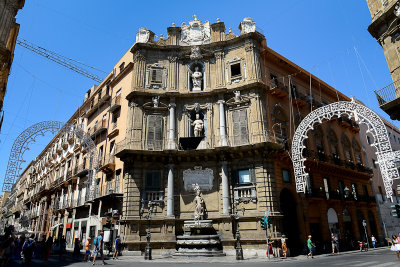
{"x": 327, "y": 38}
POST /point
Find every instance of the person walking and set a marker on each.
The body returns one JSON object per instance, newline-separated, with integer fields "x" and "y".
{"x": 27, "y": 250}
{"x": 117, "y": 248}
{"x": 98, "y": 248}
{"x": 87, "y": 250}
{"x": 373, "y": 241}
{"x": 311, "y": 247}
{"x": 335, "y": 243}
{"x": 397, "y": 245}
{"x": 284, "y": 246}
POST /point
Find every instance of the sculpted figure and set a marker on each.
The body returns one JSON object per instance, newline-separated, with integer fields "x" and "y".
{"x": 199, "y": 204}
{"x": 198, "y": 125}
{"x": 197, "y": 77}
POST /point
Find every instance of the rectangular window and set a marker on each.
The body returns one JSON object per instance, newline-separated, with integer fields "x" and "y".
{"x": 244, "y": 176}
{"x": 240, "y": 131}
{"x": 354, "y": 188}
{"x": 100, "y": 153}
{"x": 153, "y": 181}
{"x": 381, "y": 193}
{"x": 285, "y": 175}
{"x": 374, "y": 163}
{"x": 112, "y": 146}
{"x": 326, "y": 187}
{"x": 156, "y": 75}
{"x": 122, "y": 66}
{"x": 117, "y": 180}
{"x": 236, "y": 70}
{"x": 341, "y": 189}
{"x": 154, "y": 132}
{"x": 365, "y": 190}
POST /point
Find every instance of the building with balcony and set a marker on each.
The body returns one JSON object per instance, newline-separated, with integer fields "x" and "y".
{"x": 219, "y": 110}
{"x": 385, "y": 29}
{"x": 389, "y": 224}
{"x": 203, "y": 106}
{"x": 8, "y": 38}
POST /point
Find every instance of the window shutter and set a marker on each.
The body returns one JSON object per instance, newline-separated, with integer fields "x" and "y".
{"x": 234, "y": 177}
{"x": 240, "y": 130}
{"x": 156, "y": 75}
{"x": 154, "y": 132}
{"x": 253, "y": 177}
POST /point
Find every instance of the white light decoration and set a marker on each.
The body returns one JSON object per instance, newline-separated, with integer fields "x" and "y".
{"x": 387, "y": 158}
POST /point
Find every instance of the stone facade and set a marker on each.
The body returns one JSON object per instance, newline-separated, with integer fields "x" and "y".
{"x": 8, "y": 37}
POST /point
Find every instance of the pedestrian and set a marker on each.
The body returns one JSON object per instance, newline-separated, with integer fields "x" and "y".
{"x": 49, "y": 247}
{"x": 284, "y": 246}
{"x": 373, "y": 240}
{"x": 87, "y": 250}
{"x": 117, "y": 247}
{"x": 27, "y": 250}
{"x": 98, "y": 248}
{"x": 397, "y": 246}
{"x": 311, "y": 247}
{"x": 335, "y": 243}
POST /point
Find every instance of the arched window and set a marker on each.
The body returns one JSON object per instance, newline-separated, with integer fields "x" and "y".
{"x": 280, "y": 122}
{"x": 333, "y": 144}
{"x": 357, "y": 151}
{"x": 347, "y": 148}
{"x": 319, "y": 139}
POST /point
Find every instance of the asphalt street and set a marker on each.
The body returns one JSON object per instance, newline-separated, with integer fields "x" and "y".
{"x": 373, "y": 258}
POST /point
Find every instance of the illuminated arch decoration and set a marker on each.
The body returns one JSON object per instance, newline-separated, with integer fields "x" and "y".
{"x": 20, "y": 145}
{"x": 385, "y": 156}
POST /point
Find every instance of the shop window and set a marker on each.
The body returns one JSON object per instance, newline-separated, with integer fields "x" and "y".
{"x": 285, "y": 175}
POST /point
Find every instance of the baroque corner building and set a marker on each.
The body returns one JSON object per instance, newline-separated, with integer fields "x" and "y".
{"x": 211, "y": 108}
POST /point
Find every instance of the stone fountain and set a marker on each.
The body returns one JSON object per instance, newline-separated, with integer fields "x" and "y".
{"x": 200, "y": 237}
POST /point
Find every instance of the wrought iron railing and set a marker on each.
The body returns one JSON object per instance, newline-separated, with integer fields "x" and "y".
{"x": 388, "y": 93}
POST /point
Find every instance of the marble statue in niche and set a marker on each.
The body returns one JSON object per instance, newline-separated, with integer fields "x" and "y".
{"x": 197, "y": 78}
{"x": 198, "y": 126}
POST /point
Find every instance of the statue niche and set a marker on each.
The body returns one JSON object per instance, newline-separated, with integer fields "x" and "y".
{"x": 196, "y": 77}
{"x": 196, "y": 124}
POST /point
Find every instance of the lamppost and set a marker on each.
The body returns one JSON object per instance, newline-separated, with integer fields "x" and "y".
{"x": 235, "y": 216}
{"x": 364, "y": 223}
{"x": 152, "y": 207}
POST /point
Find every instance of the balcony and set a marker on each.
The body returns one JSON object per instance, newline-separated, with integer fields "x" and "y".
{"x": 98, "y": 99}
{"x": 245, "y": 194}
{"x": 278, "y": 89}
{"x": 389, "y": 99}
{"x": 81, "y": 170}
{"x": 153, "y": 196}
{"x": 98, "y": 129}
{"x": 115, "y": 103}
{"x": 108, "y": 164}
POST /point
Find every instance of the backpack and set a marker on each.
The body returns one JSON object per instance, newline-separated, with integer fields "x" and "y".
{"x": 96, "y": 242}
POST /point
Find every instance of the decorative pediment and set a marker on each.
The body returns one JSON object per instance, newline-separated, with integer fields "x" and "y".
{"x": 195, "y": 33}
{"x": 238, "y": 100}
{"x": 155, "y": 104}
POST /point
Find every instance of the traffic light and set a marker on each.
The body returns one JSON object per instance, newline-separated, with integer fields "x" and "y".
{"x": 263, "y": 223}
{"x": 269, "y": 222}
{"x": 395, "y": 210}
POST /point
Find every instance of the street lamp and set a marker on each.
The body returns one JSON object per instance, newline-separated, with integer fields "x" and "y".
{"x": 364, "y": 223}
{"x": 152, "y": 207}
{"x": 235, "y": 216}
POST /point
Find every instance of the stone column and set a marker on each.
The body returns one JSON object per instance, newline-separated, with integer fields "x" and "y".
{"x": 170, "y": 197}
{"x": 219, "y": 68}
{"x": 222, "y": 124}
{"x": 171, "y": 139}
{"x": 226, "y": 204}
{"x": 139, "y": 70}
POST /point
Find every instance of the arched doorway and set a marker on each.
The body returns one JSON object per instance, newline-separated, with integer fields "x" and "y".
{"x": 348, "y": 236}
{"x": 290, "y": 226}
{"x": 333, "y": 222}
{"x": 360, "y": 218}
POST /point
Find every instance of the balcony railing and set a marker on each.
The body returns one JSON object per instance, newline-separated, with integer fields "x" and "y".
{"x": 80, "y": 170}
{"x": 115, "y": 103}
{"x": 388, "y": 93}
{"x": 98, "y": 129}
{"x": 97, "y": 100}
{"x": 205, "y": 143}
{"x": 108, "y": 164}
{"x": 245, "y": 193}
{"x": 154, "y": 196}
